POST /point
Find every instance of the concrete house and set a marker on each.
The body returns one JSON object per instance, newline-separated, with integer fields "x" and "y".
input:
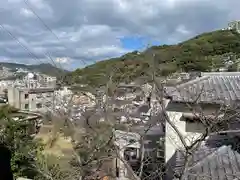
{"x": 37, "y": 99}
{"x": 195, "y": 100}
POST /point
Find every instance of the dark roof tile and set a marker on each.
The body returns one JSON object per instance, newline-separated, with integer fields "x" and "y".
{"x": 210, "y": 88}
{"x": 215, "y": 159}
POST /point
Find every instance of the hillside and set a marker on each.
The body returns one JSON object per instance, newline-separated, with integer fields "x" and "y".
{"x": 45, "y": 68}
{"x": 201, "y": 53}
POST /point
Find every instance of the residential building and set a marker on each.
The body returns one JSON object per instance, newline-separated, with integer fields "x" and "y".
{"x": 39, "y": 80}
{"x": 46, "y": 80}
{"x": 126, "y": 141}
{"x": 153, "y": 149}
{"x": 216, "y": 158}
{"x": 129, "y": 91}
{"x": 131, "y": 148}
{"x": 202, "y": 98}
{"x": 36, "y": 99}
{"x": 234, "y": 25}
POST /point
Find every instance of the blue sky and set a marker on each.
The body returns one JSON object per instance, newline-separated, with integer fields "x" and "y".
{"x": 133, "y": 43}
{"x": 137, "y": 43}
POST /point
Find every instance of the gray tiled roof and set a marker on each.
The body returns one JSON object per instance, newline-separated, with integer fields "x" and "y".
{"x": 210, "y": 88}
{"x": 216, "y": 159}
{"x": 221, "y": 164}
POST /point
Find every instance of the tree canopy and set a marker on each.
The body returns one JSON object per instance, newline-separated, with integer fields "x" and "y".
{"x": 200, "y": 53}
{"x": 15, "y": 136}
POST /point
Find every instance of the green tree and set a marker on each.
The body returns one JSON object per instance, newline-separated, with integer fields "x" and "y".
{"x": 16, "y": 137}
{"x": 94, "y": 148}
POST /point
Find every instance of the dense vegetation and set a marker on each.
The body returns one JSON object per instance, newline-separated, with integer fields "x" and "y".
{"x": 205, "y": 52}
{"x": 15, "y": 136}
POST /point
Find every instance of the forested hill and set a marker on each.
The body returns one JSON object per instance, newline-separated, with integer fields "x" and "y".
{"x": 201, "y": 53}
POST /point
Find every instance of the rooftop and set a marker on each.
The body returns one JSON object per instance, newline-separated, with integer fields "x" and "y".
{"x": 213, "y": 161}
{"x": 38, "y": 90}
{"x": 216, "y": 87}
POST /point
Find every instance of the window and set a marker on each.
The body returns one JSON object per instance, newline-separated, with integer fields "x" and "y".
{"x": 26, "y": 96}
{"x": 39, "y": 105}
{"x": 26, "y": 106}
{"x": 147, "y": 142}
{"x": 160, "y": 148}
{"x": 159, "y": 153}
{"x": 132, "y": 141}
{"x": 160, "y": 142}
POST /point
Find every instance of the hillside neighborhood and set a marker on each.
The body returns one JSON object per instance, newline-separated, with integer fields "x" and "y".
{"x": 170, "y": 112}
{"x": 133, "y": 108}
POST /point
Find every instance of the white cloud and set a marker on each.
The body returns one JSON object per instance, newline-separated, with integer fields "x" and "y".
{"x": 26, "y": 12}
{"x": 91, "y": 29}
{"x": 182, "y": 29}
{"x": 63, "y": 60}
{"x": 101, "y": 51}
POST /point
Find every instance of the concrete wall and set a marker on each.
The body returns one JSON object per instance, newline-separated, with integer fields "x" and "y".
{"x": 11, "y": 97}
{"x": 22, "y": 100}
{"x": 38, "y": 102}
{"x": 189, "y": 130}
{"x": 16, "y": 98}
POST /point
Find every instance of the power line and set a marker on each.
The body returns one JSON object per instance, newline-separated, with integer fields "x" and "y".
{"x": 54, "y": 34}
{"x": 46, "y": 26}
{"x": 23, "y": 46}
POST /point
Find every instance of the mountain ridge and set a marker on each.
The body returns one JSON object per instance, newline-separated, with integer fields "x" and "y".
{"x": 203, "y": 52}
{"x": 45, "y": 68}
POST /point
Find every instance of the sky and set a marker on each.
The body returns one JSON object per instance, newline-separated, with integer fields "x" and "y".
{"x": 76, "y": 33}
